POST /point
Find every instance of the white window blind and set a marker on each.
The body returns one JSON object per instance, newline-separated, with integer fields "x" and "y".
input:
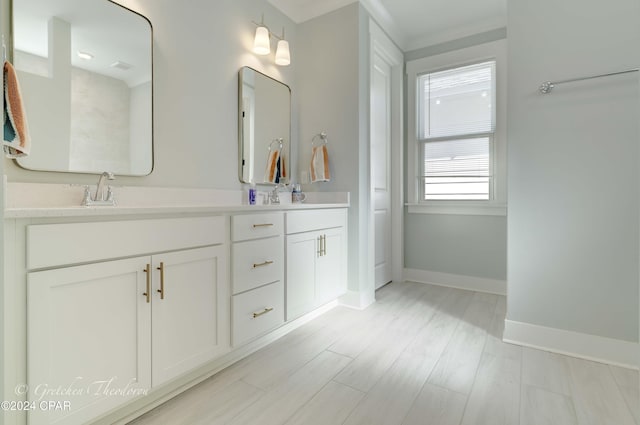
{"x": 457, "y": 101}
{"x": 456, "y": 125}
{"x": 457, "y": 169}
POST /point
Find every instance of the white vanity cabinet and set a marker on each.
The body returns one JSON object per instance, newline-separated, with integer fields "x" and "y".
{"x": 257, "y": 258}
{"x": 316, "y": 244}
{"x": 108, "y": 331}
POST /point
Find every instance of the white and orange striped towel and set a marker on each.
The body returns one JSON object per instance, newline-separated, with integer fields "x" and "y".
{"x": 276, "y": 168}
{"x": 16, "y": 140}
{"x": 319, "y": 164}
{"x": 271, "y": 173}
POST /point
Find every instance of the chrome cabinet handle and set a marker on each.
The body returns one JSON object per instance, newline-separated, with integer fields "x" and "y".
{"x": 265, "y": 311}
{"x": 147, "y": 294}
{"x": 266, "y": 263}
{"x": 324, "y": 245}
{"x": 320, "y": 246}
{"x": 263, "y": 225}
{"x": 161, "y": 290}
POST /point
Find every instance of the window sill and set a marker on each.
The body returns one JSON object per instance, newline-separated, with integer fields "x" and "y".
{"x": 457, "y": 208}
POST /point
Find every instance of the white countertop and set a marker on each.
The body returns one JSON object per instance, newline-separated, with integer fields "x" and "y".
{"x": 35, "y": 200}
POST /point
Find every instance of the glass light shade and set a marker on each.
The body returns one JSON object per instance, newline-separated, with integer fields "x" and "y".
{"x": 282, "y": 53}
{"x": 261, "y": 44}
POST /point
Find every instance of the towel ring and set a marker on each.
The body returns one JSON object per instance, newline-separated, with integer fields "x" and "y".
{"x": 280, "y": 141}
{"x": 323, "y": 137}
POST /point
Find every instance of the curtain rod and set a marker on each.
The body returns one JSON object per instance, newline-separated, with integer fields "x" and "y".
{"x": 547, "y": 86}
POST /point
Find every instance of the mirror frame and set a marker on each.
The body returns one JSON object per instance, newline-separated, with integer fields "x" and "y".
{"x": 241, "y": 129}
{"x": 10, "y": 57}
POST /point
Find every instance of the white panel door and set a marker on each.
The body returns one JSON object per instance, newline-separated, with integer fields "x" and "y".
{"x": 380, "y": 166}
{"x": 191, "y": 310}
{"x": 89, "y": 330}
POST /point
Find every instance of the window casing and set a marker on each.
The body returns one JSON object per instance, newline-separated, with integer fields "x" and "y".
{"x": 427, "y": 129}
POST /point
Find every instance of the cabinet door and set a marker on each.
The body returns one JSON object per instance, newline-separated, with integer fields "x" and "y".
{"x": 89, "y": 337}
{"x": 331, "y": 279}
{"x": 302, "y": 250}
{"x": 190, "y": 310}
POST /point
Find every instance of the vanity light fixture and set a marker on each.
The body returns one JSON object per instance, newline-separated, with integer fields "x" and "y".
{"x": 283, "y": 57}
{"x": 85, "y": 55}
{"x": 262, "y": 43}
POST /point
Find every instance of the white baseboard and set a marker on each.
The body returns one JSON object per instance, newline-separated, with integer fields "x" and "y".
{"x": 575, "y": 344}
{"x": 355, "y": 300}
{"x": 479, "y": 284}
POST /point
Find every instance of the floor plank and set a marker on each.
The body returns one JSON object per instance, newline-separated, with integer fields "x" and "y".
{"x": 627, "y": 381}
{"x": 378, "y": 356}
{"x": 436, "y": 405}
{"x": 542, "y": 407}
{"x": 456, "y": 368}
{"x": 495, "y": 397}
{"x": 596, "y": 395}
{"x": 330, "y": 406}
{"x": 210, "y": 406}
{"x": 391, "y": 398}
{"x": 282, "y": 401}
{"x": 546, "y": 370}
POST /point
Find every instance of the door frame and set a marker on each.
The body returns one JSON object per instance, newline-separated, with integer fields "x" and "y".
{"x": 382, "y": 46}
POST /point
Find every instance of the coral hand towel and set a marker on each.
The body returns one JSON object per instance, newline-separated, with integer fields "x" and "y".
{"x": 16, "y": 141}
{"x": 320, "y": 164}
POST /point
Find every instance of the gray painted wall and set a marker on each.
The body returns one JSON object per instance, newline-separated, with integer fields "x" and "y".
{"x": 466, "y": 245}
{"x": 573, "y": 167}
{"x": 333, "y": 86}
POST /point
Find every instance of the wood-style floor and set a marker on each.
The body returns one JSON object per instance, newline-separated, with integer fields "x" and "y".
{"x": 420, "y": 355}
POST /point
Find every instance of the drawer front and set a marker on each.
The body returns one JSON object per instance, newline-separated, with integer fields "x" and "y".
{"x": 256, "y": 312}
{"x": 50, "y": 245}
{"x": 306, "y": 221}
{"x": 254, "y": 226}
{"x": 255, "y": 263}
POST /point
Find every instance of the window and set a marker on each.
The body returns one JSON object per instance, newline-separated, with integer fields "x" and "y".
{"x": 456, "y": 125}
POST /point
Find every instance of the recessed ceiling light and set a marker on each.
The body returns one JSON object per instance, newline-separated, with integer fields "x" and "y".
{"x": 121, "y": 65}
{"x": 85, "y": 55}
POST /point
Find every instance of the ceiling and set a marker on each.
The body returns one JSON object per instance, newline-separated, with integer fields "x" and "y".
{"x": 413, "y": 24}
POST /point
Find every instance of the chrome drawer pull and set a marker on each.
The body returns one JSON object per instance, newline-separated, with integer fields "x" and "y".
{"x": 263, "y": 225}
{"x": 265, "y": 311}
{"x": 266, "y": 263}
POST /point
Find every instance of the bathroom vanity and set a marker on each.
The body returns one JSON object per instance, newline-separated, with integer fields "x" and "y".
{"x": 116, "y": 309}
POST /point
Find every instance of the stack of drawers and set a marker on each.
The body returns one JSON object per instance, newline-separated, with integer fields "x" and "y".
{"x": 257, "y": 275}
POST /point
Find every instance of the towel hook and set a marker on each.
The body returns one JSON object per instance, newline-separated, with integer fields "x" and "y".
{"x": 323, "y": 137}
{"x": 279, "y": 141}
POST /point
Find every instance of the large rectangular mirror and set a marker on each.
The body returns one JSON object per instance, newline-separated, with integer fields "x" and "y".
{"x": 264, "y": 128}
{"x": 85, "y": 70}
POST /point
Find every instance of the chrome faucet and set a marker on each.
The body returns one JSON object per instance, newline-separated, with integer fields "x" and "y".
{"x": 274, "y": 196}
{"x": 100, "y": 198}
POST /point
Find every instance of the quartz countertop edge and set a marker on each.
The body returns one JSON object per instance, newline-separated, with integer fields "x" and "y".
{"x": 169, "y": 209}
{"x": 41, "y": 200}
